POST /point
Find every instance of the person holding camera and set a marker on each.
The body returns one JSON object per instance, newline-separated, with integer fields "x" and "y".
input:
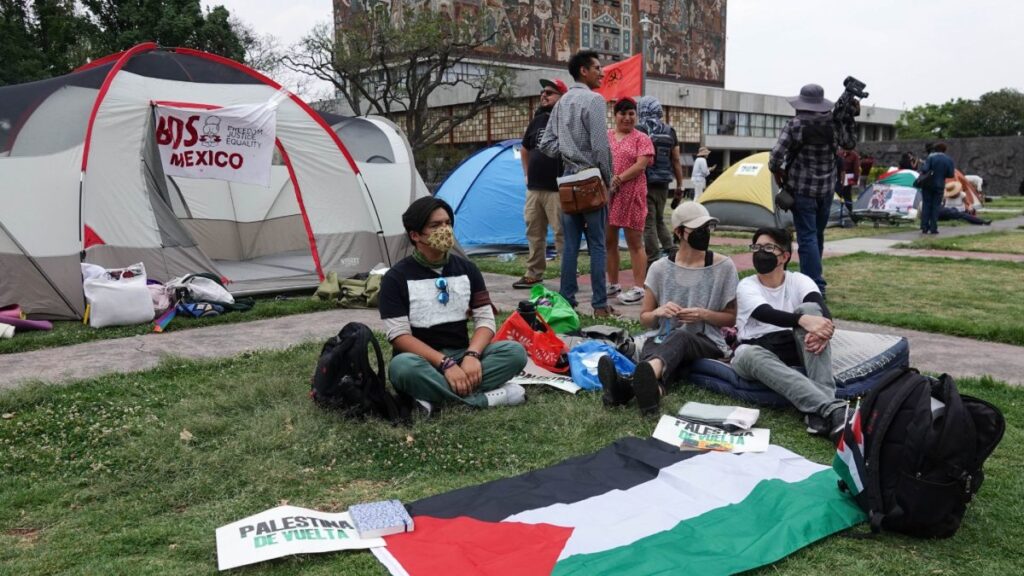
{"x": 803, "y": 161}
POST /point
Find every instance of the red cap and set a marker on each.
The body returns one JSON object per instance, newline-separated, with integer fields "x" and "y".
{"x": 558, "y": 85}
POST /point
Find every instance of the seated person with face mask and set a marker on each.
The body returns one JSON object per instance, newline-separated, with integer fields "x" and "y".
{"x": 687, "y": 300}
{"x": 425, "y": 302}
{"x": 782, "y": 324}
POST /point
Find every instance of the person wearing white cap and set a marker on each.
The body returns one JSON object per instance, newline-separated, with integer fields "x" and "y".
{"x": 804, "y": 161}
{"x": 687, "y": 300}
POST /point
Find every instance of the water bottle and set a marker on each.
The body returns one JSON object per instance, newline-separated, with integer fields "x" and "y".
{"x": 506, "y": 257}
{"x": 528, "y": 311}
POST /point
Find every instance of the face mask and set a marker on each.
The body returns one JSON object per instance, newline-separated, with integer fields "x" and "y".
{"x": 700, "y": 238}
{"x": 765, "y": 262}
{"x": 441, "y": 239}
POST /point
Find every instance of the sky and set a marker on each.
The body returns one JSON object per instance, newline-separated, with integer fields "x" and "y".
{"x": 909, "y": 52}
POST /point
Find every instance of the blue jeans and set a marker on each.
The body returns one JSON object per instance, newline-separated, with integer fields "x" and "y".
{"x": 931, "y": 200}
{"x": 574, "y": 226}
{"x": 810, "y": 217}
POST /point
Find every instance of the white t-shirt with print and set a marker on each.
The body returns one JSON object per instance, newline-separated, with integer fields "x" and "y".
{"x": 751, "y": 294}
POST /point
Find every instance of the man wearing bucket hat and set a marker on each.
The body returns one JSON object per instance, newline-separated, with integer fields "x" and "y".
{"x": 701, "y": 172}
{"x": 804, "y": 161}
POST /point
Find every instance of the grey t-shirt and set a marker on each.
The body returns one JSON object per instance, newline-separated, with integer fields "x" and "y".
{"x": 711, "y": 287}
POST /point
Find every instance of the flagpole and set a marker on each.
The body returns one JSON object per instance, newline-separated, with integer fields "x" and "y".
{"x": 645, "y": 28}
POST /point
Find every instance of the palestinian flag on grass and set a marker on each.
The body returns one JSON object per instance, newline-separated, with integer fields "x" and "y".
{"x": 638, "y": 506}
{"x": 849, "y": 460}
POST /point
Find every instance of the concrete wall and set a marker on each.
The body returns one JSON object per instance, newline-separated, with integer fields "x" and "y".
{"x": 999, "y": 161}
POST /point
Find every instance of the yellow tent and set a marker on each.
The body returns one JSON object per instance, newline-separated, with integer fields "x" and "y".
{"x": 744, "y": 195}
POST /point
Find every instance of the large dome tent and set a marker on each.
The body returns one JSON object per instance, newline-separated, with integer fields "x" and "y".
{"x": 80, "y": 182}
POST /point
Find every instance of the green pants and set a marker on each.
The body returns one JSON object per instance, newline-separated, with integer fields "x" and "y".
{"x": 418, "y": 378}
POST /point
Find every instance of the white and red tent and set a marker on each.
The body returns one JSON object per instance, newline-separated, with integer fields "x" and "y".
{"x": 81, "y": 181}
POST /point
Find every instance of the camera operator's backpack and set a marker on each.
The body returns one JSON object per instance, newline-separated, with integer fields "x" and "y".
{"x": 345, "y": 380}
{"x": 914, "y": 453}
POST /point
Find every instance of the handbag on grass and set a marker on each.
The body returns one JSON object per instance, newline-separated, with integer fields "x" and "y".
{"x": 582, "y": 192}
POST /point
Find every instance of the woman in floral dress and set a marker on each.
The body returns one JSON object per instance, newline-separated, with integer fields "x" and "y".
{"x": 632, "y": 151}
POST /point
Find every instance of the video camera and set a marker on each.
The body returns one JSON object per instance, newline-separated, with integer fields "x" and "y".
{"x": 847, "y": 108}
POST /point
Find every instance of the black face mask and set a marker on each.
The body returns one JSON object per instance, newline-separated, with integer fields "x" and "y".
{"x": 765, "y": 262}
{"x": 700, "y": 238}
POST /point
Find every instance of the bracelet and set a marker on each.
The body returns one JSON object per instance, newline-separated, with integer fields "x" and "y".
{"x": 472, "y": 354}
{"x": 446, "y": 363}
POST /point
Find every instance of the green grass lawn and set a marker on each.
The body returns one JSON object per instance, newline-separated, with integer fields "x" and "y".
{"x": 1003, "y": 242}
{"x": 66, "y": 333}
{"x": 972, "y": 298}
{"x": 132, "y": 474}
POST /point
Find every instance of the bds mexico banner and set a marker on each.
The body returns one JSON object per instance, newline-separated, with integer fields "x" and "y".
{"x": 234, "y": 143}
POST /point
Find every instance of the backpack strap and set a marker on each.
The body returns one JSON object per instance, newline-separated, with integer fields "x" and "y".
{"x": 396, "y": 410}
{"x": 709, "y": 258}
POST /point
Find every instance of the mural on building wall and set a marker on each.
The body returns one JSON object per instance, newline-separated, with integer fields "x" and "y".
{"x": 687, "y": 39}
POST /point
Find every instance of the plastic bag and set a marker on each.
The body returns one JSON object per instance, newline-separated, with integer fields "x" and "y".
{"x": 119, "y": 297}
{"x": 555, "y": 309}
{"x": 583, "y": 363}
{"x": 544, "y": 347}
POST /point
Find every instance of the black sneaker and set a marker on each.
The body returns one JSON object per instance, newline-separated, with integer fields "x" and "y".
{"x": 816, "y": 424}
{"x": 617, "y": 390}
{"x": 647, "y": 389}
{"x": 837, "y": 420}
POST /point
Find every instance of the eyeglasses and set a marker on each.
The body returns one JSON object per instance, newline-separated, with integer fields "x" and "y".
{"x": 442, "y": 286}
{"x": 772, "y": 248}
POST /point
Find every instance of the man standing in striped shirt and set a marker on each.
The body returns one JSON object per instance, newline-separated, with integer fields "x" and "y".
{"x": 577, "y": 133}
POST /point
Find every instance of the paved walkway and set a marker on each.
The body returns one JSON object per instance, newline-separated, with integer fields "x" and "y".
{"x": 931, "y": 352}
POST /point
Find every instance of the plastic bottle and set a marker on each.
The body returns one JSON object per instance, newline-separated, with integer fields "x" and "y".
{"x": 528, "y": 311}
{"x": 506, "y": 257}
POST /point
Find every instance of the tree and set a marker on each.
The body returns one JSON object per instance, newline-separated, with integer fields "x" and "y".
{"x": 122, "y": 24}
{"x": 998, "y": 113}
{"x": 394, "y": 66}
{"x": 20, "y": 62}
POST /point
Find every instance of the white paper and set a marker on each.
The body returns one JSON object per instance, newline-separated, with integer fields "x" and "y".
{"x": 693, "y": 436}
{"x": 535, "y": 375}
{"x": 284, "y": 531}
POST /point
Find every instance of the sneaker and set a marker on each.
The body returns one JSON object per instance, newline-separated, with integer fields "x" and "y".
{"x": 816, "y": 424}
{"x": 550, "y": 255}
{"x": 646, "y": 389}
{"x": 508, "y": 395}
{"x": 837, "y": 420}
{"x": 526, "y": 282}
{"x": 424, "y": 408}
{"x": 632, "y": 296}
{"x": 605, "y": 312}
{"x": 617, "y": 389}
{"x": 614, "y": 289}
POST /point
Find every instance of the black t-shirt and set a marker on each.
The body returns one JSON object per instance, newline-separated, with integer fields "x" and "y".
{"x": 410, "y": 290}
{"x": 542, "y": 170}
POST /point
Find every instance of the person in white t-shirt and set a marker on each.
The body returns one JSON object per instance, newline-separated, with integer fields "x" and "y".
{"x": 783, "y": 324}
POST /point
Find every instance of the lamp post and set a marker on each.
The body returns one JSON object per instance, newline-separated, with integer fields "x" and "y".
{"x": 645, "y": 30}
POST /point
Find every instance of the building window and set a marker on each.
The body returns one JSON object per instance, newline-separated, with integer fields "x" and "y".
{"x": 585, "y": 36}
{"x": 757, "y": 125}
{"x": 727, "y": 124}
{"x": 743, "y": 124}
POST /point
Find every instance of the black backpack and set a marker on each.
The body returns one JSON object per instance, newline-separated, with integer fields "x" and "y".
{"x": 921, "y": 468}
{"x": 344, "y": 380}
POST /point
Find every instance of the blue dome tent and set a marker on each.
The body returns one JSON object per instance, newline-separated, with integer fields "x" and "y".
{"x": 487, "y": 191}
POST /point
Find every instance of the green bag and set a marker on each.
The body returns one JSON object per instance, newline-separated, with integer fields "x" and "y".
{"x": 350, "y": 292}
{"x": 554, "y": 309}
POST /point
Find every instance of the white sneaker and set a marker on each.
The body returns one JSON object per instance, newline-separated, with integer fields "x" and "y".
{"x": 614, "y": 289}
{"x": 632, "y": 296}
{"x": 508, "y": 395}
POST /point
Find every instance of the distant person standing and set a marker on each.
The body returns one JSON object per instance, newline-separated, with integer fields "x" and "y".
{"x": 701, "y": 172}
{"x": 804, "y": 161}
{"x": 666, "y": 164}
{"x": 941, "y": 167}
{"x": 577, "y": 133}
{"x": 851, "y": 177}
{"x": 542, "y": 205}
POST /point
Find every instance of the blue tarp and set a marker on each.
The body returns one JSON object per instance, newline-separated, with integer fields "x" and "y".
{"x": 487, "y": 191}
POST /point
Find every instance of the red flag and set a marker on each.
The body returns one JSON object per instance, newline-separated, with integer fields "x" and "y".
{"x": 623, "y": 79}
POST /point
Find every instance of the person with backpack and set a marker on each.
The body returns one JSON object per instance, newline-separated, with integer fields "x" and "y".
{"x": 665, "y": 165}
{"x": 783, "y": 324}
{"x": 425, "y": 302}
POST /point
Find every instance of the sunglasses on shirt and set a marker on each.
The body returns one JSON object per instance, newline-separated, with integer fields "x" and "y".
{"x": 442, "y": 290}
